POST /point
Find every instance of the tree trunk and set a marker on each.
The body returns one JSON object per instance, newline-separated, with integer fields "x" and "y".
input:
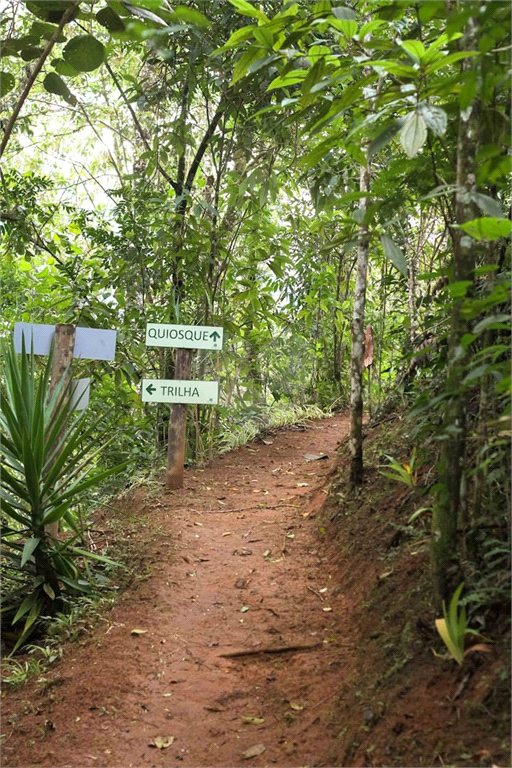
{"x": 446, "y": 566}
{"x": 177, "y": 436}
{"x": 63, "y": 349}
{"x": 356, "y": 362}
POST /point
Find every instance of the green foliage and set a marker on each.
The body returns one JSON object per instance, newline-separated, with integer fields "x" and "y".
{"x": 211, "y": 176}
{"x": 47, "y": 466}
{"x": 452, "y": 628}
{"x": 402, "y": 473}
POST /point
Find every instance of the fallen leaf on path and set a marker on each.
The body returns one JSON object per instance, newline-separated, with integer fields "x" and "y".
{"x": 326, "y": 609}
{"x": 478, "y": 647}
{"x": 162, "y": 742}
{"x": 386, "y": 574}
{"x": 258, "y": 749}
{"x": 267, "y": 552}
{"x": 290, "y": 536}
{"x": 244, "y": 609}
{"x": 302, "y": 485}
{"x": 196, "y": 523}
{"x": 138, "y": 631}
{"x": 227, "y": 533}
{"x": 215, "y": 708}
{"x": 324, "y": 589}
{"x": 253, "y": 720}
{"x": 267, "y": 442}
{"x": 296, "y": 707}
{"x": 315, "y": 456}
{"x": 243, "y": 552}
{"x": 166, "y": 695}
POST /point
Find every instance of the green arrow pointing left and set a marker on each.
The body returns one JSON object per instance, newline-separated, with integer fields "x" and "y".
{"x": 151, "y": 389}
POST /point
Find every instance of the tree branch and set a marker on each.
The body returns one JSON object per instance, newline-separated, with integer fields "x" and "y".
{"x": 202, "y": 149}
{"x": 138, "y": 126}
{"x": 10, "y": 125}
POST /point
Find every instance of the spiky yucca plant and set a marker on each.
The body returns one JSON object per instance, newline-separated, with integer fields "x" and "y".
{"x": 48, "y": 457}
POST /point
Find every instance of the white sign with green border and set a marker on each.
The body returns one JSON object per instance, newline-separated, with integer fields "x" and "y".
{"x": 184, "y": 336}
{"x": 180, "y": 391}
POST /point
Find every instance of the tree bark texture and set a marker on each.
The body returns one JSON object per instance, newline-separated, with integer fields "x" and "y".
{"x": 446, "y": 566}
{"x": 178, "y": 425}
{"x": 356, "y": 362}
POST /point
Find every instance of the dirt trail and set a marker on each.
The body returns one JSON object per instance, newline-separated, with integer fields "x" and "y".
{"x": 237, "y": 564}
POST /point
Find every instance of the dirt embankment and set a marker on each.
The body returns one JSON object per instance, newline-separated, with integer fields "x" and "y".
{"x": 336, "y": 667}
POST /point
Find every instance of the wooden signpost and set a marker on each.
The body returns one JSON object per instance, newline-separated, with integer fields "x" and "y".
{"x": 68, "y": 342}
{"x": 181, "y": 390}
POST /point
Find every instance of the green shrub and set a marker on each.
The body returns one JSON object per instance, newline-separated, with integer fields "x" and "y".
{"x": 47, "y": 466}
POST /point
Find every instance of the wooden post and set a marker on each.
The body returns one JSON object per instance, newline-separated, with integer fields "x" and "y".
{"x": 178, "y": 425}
{"x": 63, "y": 349}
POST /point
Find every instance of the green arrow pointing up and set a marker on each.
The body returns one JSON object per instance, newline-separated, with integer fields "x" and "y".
{"x": 215, "y": 335}
{"x": 151, "y": 389}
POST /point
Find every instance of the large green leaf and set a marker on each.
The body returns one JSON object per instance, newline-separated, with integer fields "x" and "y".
{"x": 84, "y": 52}
{"x": 191, "y": 16}
{"x": 384, "y": 137}
{"x": 28, "y": 549}
{"x": 247, "y": 9}
{"x": 435, "y": 118}
{"x": 237, "y": 37}
{"x": 394, "y": 254}
{"x": 51, "y": 10}
{"x": 109, "y": 19}
{"x": 7, "y": 83}
{"x": 413, "y": 134}
{"x": 47, "y": 31}
{"x": 487, "y": 228}
{"x": 54, "y": 84}
{"x": 414, "y": 48}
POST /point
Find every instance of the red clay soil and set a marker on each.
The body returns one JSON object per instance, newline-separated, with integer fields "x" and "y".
{"x": 238, "y": 562}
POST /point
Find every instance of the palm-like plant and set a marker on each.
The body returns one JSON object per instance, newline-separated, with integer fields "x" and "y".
{"x": 48, "y": 459}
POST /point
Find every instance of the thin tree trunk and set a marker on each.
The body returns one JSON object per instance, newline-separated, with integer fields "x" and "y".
{"x": 356, "y": 362}
{"x": 446, "y": 566}
{"x": 412, "y": 275}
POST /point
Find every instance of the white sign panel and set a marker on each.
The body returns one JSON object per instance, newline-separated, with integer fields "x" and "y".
{"x": 180, "y": 391}
{"x": 184, "y": 336}
{"x": 80, "y": 396}
{"x": 90, "y": 343}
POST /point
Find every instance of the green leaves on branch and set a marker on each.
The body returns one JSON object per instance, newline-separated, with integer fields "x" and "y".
{"x": 413, "y": 129}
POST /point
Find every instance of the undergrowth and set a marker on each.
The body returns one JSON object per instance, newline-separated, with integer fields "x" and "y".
{"x": 248, "y": 424}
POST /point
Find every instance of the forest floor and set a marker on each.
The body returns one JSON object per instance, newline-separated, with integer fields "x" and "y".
{"x": 264, "y": 549}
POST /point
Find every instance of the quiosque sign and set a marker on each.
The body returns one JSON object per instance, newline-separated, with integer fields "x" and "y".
{"x": 180, "y": 391}
{"x": 185, "y": 336}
